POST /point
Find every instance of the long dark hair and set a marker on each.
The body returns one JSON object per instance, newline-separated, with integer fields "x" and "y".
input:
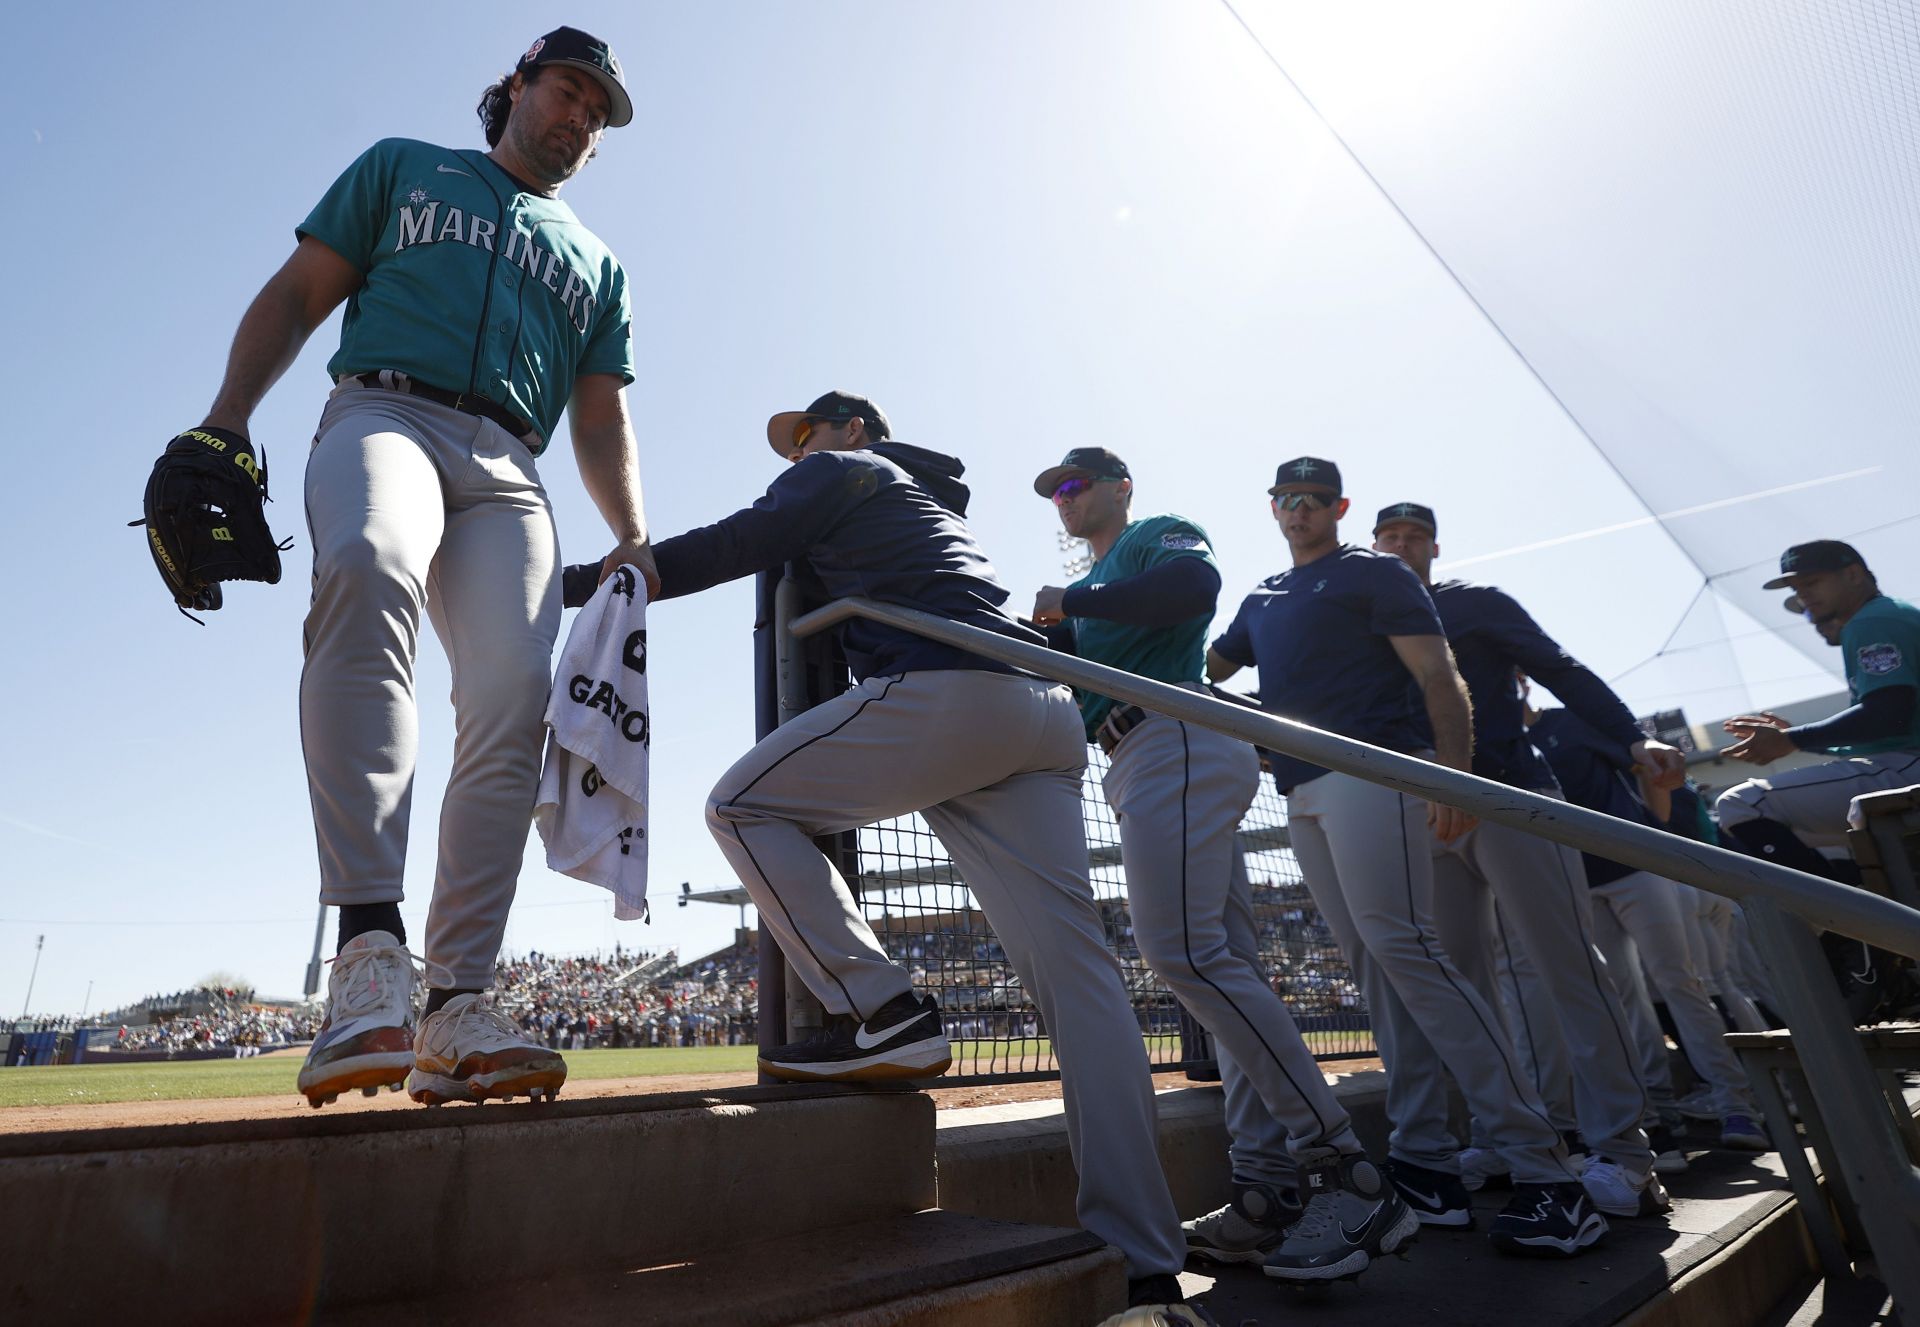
{"x": 495, "y": 105}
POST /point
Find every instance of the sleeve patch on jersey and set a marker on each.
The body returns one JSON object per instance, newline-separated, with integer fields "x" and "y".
{"x": 1182, "y": 541}
{"x": 1880, "y": 659}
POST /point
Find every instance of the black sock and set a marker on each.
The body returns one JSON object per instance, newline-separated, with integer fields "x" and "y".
{"x": 359, "y": 918}
{"x": 437, "y": 999}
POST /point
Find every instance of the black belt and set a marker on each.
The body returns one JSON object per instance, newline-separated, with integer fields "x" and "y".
{"x": 479, "y": 406}
{"x": 1120, "y": 720}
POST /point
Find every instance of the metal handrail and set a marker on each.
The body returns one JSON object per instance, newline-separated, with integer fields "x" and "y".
{"x": 1823, "y": 903}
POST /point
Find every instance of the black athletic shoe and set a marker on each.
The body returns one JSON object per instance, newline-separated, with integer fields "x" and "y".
{"x": 1437, "y": 1198}
{"x": 903, "y": 1039}
{"x": 1353, "y": 1215}
{"x": 1547, "y": 1220}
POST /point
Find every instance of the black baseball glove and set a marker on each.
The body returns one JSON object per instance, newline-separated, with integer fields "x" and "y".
{"x": 205, "y": 520}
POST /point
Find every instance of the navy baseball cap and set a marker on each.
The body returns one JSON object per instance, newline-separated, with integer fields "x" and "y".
{"x": 1091, "y": 462}
{"x": 1820, "y": 555}
{"x": 833, "y": 405}
{"x": 1411, "y": 512}
{"x": 1307, "y": 472}
{"x": 570, "y": 46}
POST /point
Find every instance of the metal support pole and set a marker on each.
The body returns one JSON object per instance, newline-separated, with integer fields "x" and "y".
{"x": 38, "y": 944}
{"x": 1870, "y": 1156}
{"x": 312, "y": 986}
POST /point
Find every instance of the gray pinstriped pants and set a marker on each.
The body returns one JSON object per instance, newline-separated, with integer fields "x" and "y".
{"x": 1364, "y": 850}
{"x": 993, "y": 763}
{"x": 1179, "y": 792}
{"x": 417, "y": 509}
{"x": 1569, "y": 1011}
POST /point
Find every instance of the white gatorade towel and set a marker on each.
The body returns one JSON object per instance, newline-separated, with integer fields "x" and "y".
{"x": 592, "y": 806}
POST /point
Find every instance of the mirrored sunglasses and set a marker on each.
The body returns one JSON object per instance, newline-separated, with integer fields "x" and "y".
{"x": 1311, "y": 501}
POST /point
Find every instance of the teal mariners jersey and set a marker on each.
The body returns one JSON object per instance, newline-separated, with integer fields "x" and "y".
{"x": 1881, "y": 644}
{"x": 1165, "y": 654}
{"x": 471, "y": 284}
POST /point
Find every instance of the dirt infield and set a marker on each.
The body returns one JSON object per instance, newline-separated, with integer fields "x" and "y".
{"x": 119, "y": 1114}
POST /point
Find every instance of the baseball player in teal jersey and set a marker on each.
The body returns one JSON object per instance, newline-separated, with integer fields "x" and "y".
{"x": 1787, "y": 816}
{"x": 1179, "y": 792}
{"x": 478, "y": 308}
{"x": 1348, "y": 640}
{"x": 1570, "y": 1014}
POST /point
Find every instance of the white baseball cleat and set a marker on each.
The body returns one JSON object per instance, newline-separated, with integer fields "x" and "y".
{"x": 470, "y": 1051}
{"x": 366, "y": 1040}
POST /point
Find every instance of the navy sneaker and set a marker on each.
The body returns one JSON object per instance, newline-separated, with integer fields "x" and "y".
{"x": 903, "y": 1039}
{"x": 1548, "y": 1220}
{"x": 1436, "y": 1198}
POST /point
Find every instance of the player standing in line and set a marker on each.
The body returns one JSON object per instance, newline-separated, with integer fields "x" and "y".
{"x": 1600, "y": 773}
{"x": 479, "y": 308}
{"x": 1789, "y": 815}
{"x": 990, "y": 757}
{"x": 1536, "y": 884}
{"x": 1345, "y": 640}
{"x": 1179, "y": 792}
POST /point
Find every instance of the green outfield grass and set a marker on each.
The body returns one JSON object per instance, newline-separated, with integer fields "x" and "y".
{"x": 199, "y": 1080}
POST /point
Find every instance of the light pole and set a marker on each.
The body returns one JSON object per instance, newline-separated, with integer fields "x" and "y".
{"x": 87, "y": 1003}
{"x": 38, "y": 945}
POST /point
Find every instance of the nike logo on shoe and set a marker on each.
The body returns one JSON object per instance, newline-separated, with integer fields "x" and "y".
{"x": 867, "y": 1042}
{"x": 448, "y": 170}
{"x": 1430, "y": 1199}
{"x": 1359, "y": 1236}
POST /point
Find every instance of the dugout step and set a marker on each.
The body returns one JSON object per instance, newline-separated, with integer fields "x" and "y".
{"x": 929, "y": 1269}
{"x": 267, "y": 1221}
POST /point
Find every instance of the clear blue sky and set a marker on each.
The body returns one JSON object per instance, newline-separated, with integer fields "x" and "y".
{"x": 1019, "y": 227}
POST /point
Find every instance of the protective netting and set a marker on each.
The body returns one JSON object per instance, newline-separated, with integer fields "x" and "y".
{"x": 915, "y": 901}
{"x": 1699, "y": 226}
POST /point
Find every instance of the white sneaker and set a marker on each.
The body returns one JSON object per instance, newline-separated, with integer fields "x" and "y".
{"x": 470, "y": 1051}
{"x": 1480, "y": 1166}
{"x": 366, "y": 1040}
{"x": 1616, "y": 1191}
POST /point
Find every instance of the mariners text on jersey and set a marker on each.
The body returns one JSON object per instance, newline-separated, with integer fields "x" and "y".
{"x": 472, "y": 283}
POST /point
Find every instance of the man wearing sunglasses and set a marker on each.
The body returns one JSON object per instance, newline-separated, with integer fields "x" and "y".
{"x": 1178, "y": 792}
{"x": 990, "y": 757}
{"x": 1347, "y": 640}
{"x": 1573, "y": 1023}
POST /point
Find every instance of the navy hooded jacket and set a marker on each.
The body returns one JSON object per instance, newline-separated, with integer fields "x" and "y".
{"x": 883, "y": 523}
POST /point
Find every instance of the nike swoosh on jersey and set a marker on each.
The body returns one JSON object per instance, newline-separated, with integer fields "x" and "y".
{"x": 867, "y": 1043}
{"x": 448, "y": 170}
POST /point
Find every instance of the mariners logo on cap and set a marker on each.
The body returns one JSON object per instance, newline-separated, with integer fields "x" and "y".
{"x": 1301, "y": 469}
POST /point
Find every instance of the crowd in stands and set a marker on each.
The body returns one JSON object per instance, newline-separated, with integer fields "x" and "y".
{"x": 635, "y": 998}
{"x": 631, "y": 998}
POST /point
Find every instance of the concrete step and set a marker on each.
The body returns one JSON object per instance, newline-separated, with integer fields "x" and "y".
{"x": 930, "y": 1269}
{"x": 276, "y": 1220}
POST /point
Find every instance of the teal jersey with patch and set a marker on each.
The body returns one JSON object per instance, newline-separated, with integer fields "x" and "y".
{"x": 1881, "y": 644}
{"x": 1165, "y": 654}
{"x": 471, "y": 284}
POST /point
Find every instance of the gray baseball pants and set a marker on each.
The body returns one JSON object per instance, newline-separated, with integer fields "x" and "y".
{"x": 1363, "y": 849}
{"x": 1569, "y": 1009}
{"x": 1648, "y": 909}
{"x": 1179, "y": 792}
{"x": 993, "y": 762}
{"x": 1650, "y": 1042}
{"x": 1813, "y": 800}
{"x": 414, "y": 506}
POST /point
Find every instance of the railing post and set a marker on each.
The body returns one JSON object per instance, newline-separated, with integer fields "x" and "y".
{"x": 1880, "y": 1180}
